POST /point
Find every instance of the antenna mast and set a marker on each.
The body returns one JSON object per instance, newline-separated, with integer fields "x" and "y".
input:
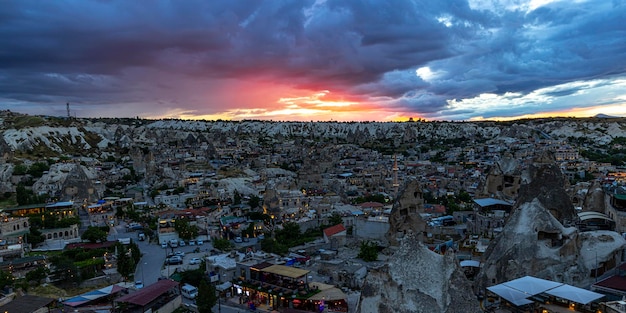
{"x": 68, "y": 110}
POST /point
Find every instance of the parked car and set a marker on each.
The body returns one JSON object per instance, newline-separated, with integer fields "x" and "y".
{"x": 138, "y": 284}
{"x": 194, "y": 261}
{"x": 192, "y": 242}
{"x": 181, "y": 243}
{"x": 200, "y": 242}
{"x": 238, "y": 240}
{"x": 180, "y": 254}
{"x": 164, "y": 245}
{"x": 174, "y": 260}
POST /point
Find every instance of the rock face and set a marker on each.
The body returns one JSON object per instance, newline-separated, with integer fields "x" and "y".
{"x": 594, "y": 201}
{"x": 535, "y": 241}
{"x": 417, "y": 280}
{"x": 544, "y": 181}
{"x": 405, "y": 217}
{"x": 503, "y": 179}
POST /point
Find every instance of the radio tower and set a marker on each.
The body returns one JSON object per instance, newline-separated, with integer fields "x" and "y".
{"x": 68, "y": 110}
{"x": 395, "y": 176}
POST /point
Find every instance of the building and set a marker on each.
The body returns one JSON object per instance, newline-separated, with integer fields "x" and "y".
{"x": 29, "y": 304}
{"x": 162, "y": 296}
{"x": 335, "y": 236}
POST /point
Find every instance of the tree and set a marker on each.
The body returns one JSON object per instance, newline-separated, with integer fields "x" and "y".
{"x": 222, "y": 244}
{"x": 64, "y": 269}
{"x": 6, "y": 279}
{"x": 22, "y": 195}
{"x": 289, "y": 233}
{"x": 94, "y": 234}
{"x": 185, "y": 231}
{"x": 35, "y": 237}
{"x": 37, "y": 275}
{"x": 37, "y": 169}
{"x": 335, "y": 219}
{"x": 206, "y": 298}
{"x": 125, "y": 262}
{"x": 271, "y": 245}
{"x": 254, "y": 201}
{"x": 19, "y": 169}
{"x": 368, "y": 251}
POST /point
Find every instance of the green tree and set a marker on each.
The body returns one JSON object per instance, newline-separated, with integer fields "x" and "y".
{"x": 94, "y": 234}
{"x": 206, "y": 298}
{"x": 368, "y": 251}
{"x": 254, "y": 202}
{"x": 22, "y": 195}
{"x": 34, "y": 236}
{"x": 125, "y": 262}
{"x": 37, "y": 275}
{"x": 193, "y": 277}
{"x": 335, "y": 219}
{"x": 6, "y": 279}
{"x": 185, "y": 230}
{"x": 19, "y": 169}
{"x": 464, "y": 196}
{"x": 64, "y": 269}
{"x": 38, "y": 168}
{"x": 271, "y": 245}
{"x": 289, "y": 233}
{"x": 222, "y": 244}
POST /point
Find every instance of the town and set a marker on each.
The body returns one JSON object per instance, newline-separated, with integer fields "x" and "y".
{"x": 135, "y": 215}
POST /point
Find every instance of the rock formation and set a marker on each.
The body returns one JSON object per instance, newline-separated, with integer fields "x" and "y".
{"x": 417, "y": 280}
{"x": 503, "y": 179}
{"x": 594, "y": 201}
{"x": 405, "y": 217}
{"x": 535, "y": 241}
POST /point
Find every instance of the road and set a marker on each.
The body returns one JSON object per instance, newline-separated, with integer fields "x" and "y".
{"x": 151, "y": 266}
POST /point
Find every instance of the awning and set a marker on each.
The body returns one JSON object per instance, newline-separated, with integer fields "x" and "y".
{"x": 578, "y": 295}
{"x": 224, "y": 286}
{"x": 512, "y": 295}
{"x": 531, "y": 285}
{"x": 329, "y": 294}
{"x": 286, "y": 271}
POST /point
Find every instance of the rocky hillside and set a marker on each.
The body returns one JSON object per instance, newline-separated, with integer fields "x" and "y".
{"x": 539, "y": 238}
{"x": 417, "y": 280}
{"x": 53, "y": 135}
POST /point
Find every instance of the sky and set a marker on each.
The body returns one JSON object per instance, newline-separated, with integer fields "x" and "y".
{"x": 314, "y": 60}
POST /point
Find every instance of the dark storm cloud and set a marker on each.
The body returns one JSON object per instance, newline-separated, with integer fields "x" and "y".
{"x": 126, "y": 51}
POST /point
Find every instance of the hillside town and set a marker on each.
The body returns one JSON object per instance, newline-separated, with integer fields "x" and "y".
{"x": 133, "y": 215}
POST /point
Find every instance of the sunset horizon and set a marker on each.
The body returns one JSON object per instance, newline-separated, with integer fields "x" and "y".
{"x": 316, "y": 60}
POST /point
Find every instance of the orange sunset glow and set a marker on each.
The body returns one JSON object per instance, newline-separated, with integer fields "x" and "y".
{"x": 315, "y": 60}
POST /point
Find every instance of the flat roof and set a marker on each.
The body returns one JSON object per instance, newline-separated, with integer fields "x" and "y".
{"x": 286, "y": 271}
{"x": 491, "y": 201}
{"x": 148, "y": 294}
{"x": 26, "y": 304}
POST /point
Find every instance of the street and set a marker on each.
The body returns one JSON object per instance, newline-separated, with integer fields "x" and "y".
{"x": 151, "y": 266}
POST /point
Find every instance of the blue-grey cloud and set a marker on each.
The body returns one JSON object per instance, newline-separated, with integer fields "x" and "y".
{"x": 132, "y": 52}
